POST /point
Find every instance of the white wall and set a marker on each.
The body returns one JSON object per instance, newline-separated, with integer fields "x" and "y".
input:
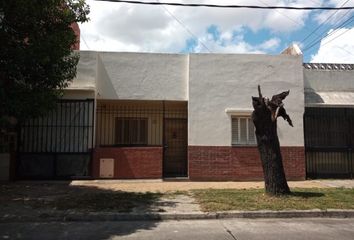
{"x": 142, "y": 76}
{"x": 86, "y": 72}
{"x": 210, "y": 82}
{"x": 218, "y": 82}
{"x": 328, "y": 80}
{"x": 84, "y": 84}
{"x": 329, "y": 88}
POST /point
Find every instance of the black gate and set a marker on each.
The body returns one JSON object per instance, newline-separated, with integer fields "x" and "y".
{"x": 329, "y": 139}
{"x": 58, "y": 145}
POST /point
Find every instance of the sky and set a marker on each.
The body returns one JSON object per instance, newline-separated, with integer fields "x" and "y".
{"x": 123, "y": 27}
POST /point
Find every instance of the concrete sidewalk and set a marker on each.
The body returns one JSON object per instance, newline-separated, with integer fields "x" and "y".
{"x": 167, "y": 186}
{"x": 170, "y": 207}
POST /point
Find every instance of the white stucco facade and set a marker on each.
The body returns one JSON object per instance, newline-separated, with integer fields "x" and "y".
{"x": 130, "y": 76}
{"x": 142, "y": 76}
{"x": 216, "y": 86}
{"x": 329, "y": 87}
{"x": 218, "y": 82}
{"x": 83, "y": 85}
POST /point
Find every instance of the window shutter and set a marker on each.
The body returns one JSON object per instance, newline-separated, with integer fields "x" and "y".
{"x": 234, "y": 134}
{"x": 243, "y": 130}
{"x": 251, "y": 132}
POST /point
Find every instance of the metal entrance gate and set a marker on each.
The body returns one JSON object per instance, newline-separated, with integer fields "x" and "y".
{"x": 59, "y": 145}
{"x": 329, "y": 139}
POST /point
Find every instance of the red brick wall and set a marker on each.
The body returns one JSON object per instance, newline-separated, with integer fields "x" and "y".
{"x": 130, "y": 162}
{"x": 76, "y": 29}
{"x": 240, "y": 163}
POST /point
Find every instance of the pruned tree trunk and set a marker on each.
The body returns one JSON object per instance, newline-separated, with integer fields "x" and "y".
{"x": 264, "y": 117}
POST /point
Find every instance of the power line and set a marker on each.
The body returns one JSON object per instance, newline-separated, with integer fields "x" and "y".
{"x": 337, "y": 36}
{"x": 228, "y": 6}
{"x": 185, "y": 28}
{"x": 345, "y": 23}
{"x": 329, "y": 40}
{"x": 307, "y": 28}
{"x": 319, "y": 26}
{"x": 294, "y": 21}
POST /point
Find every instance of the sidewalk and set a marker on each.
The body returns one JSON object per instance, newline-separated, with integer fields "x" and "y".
{"x": 176, "y": 203}
{"x": 166, "y": 186}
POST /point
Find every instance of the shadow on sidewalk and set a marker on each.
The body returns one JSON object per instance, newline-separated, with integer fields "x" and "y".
{"x": 45, "y": 202}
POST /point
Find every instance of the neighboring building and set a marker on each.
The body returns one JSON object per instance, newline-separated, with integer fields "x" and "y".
{"x": 329, "y": 119}
{"x": 145, "y": 115}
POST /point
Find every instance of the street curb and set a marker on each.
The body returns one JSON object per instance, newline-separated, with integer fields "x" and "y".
{"x": 90, "y": 217}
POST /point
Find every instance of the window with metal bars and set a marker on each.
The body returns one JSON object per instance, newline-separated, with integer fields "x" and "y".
{"x": 131, "y": 131}
{"x": 243, "y": 131}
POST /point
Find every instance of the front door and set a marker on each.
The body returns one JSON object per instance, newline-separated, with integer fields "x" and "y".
{"x": 175, "y": 148}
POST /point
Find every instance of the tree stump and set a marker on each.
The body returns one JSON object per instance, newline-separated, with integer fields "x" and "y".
{"x": 264, "y": 117}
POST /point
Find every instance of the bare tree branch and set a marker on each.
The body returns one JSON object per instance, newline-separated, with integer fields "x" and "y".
{"x": 259, "y": 92}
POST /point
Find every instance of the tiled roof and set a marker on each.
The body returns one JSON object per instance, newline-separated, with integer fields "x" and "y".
{"x": 329, "y": 66}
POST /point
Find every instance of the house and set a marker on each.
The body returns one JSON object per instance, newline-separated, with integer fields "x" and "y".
{"x": 149, "y": 115}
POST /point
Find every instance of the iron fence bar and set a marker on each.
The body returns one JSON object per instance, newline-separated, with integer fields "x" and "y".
{"x": 60, "y": 129}
{"x": 39, "y": 131}
{"x": 163, "y": 137}
{"x": 51, "y": 132}
{"x": 22, "y": 139}
{"x": 32, "y": 146}
{"x": 351, "y": 163}
{"x": 71, "y": 127}
{"x": 111, "y": 123}
{"x": 76, "y": 127}
{"x": 81, "y": 144}
{"x": 350, "y": 121}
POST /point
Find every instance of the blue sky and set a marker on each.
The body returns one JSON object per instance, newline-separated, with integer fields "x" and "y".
{"x": 140, "y": 28}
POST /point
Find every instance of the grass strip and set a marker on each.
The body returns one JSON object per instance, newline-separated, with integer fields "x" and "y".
{"x": 212, "y": 200}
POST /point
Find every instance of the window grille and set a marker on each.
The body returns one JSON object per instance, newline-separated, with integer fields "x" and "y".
{"x": 131, "y": 131}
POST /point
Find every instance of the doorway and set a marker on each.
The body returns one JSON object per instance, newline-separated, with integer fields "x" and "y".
{"x": 175, "y": 148}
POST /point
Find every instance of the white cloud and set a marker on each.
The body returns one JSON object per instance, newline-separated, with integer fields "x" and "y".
{"x": 334, "y": 17}
{"x": 337, "y": 48}
{"x": 229, "y": 42}
{"x": 270, "y": 44}
{"x": 127, "y": 27}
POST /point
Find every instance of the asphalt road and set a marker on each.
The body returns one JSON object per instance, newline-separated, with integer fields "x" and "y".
{"x": 240, "y": 229}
